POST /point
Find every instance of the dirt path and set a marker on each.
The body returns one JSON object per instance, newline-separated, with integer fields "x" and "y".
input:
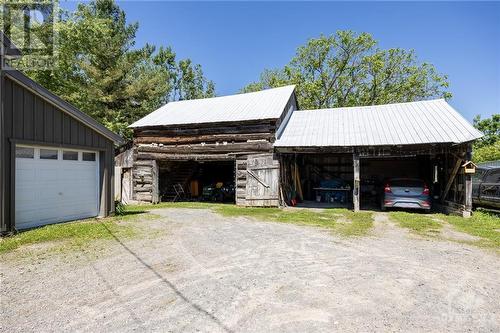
{"x": 213, "y": 274}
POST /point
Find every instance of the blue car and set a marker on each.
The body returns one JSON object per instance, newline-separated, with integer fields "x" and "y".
{"x": 406, "y": 193}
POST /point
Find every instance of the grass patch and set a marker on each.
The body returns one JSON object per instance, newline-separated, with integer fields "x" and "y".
{"x": 417, "y": 223}
{"x": 146, "y": 207}
{"x": 74, "y": 234}
{"x": 482, "y": 224}
{"x": 342, "y": 221}
{"x": 361, "y": 223}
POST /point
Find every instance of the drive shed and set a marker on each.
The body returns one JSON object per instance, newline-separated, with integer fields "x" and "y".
{"x": 56, "y": 162}
{"x": 363, "y": 146}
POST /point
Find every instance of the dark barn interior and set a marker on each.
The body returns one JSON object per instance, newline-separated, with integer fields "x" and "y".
{"x": 314, "y": 179}
{"x": 317, "y": 179}
{"x": 197, "y": 180}
{"x": 375, "y": 172}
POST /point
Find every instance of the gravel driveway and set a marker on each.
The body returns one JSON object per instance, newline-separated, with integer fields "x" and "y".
{"x": 203, "y": 272}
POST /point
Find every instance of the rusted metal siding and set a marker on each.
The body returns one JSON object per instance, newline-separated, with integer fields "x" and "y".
{"x": 30, "y": 119}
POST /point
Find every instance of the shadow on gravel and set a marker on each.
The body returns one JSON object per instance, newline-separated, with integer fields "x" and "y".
{"x": 171, "y": 285}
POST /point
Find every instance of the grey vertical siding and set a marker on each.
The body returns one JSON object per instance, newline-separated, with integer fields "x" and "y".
{"x": 30, "y": 119}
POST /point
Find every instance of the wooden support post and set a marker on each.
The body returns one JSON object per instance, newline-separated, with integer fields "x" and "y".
{"x": 458, "y": 163}
{"x": 356, "y": 187}
{"x": 155, "y": 191}
{"x": 468, "y": 186}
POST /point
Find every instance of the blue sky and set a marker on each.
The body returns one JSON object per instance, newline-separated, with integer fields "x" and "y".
{"x": 235, "y": 41}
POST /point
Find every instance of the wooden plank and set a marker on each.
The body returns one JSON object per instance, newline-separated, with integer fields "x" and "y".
{"x": 125, "y": 159}
{"x": 207, "y": 148}
{"x": 251, "y": 173}
{"x": 143, "y": 163}
{"x": 155, "y": 192}
{"x": 468, "y": 186}
{"x": 144, "y": 188}
{"x": 203, "y": 138}
{"x": 451, "y": 179}
{"x": 183, "y": 157}
{"x": 141, "y": 179}
{"x": 201, "y": 130}
{"x": 145, "y": 197}
{"x": 468, "y": 195}
{"x": 262, "y": 186}
{"x": 356, "y": 190}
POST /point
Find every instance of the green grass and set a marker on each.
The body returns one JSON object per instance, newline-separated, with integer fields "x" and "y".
{"x": 422, "y": 224}
{"x": 342, "y": 221}
{"x": 146, "y": 207}
{"x": 74, "y": 234}
{"x": 482, "y": 224}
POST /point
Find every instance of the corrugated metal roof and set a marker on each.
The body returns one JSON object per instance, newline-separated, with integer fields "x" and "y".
{"x": 265, "y": 104}
{"x": 433, "y": 121}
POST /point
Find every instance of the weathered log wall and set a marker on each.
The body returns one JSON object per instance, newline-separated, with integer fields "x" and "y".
{"x": 145, "y": 181}
{"x": 200, "y": 142}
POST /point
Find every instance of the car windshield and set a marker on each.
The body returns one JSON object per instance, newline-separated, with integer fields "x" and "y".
{"x": 406, "y": 183}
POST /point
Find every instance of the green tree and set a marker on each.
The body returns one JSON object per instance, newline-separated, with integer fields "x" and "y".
{"x": 487, "y": 153}
{"x": 101, "y": 71}
{"x": 488, "y": 147}
{"x": 347, "y": 69}
{"x": 490, "y": 127}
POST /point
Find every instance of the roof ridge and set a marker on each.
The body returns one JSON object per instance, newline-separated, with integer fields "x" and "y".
{"x": 232, "y": 95}
{"x": 376, "y": 105}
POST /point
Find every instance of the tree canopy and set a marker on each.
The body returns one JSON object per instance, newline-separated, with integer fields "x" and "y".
{"x": 488, "y": 147}
{"x": 100, "y": 70}
{"x": 347, "y": 69}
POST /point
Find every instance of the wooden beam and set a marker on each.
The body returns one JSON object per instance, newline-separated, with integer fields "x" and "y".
{"x": 255, "y": 146}
{"x": 468, "y": 186}
{"x": 155, "y": 192}
{"x": 356, "y": 188}
{"x": 452, "y": 177}
{"x": 184, "y": 157}
{"x": 204, "y": 138}
{"x": 264, "y": 127}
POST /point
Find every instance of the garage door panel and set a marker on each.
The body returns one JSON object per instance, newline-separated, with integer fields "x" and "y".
{"x": 50, "y": 191}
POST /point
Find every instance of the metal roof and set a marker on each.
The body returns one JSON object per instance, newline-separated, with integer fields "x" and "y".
{"x": 489, "y": 165}
{"x": 265, "y": 104}
{"x": 433, "y": 121}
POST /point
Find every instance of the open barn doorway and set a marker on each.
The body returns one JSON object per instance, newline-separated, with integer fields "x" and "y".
{"x": 317, "y": 180}
{"x": 210, "y": 181}
{"x": 377, "y": 172}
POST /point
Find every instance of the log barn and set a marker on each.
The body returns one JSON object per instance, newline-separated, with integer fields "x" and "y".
{"x": 223, "y": 145}
{"x": 274, "y": 154}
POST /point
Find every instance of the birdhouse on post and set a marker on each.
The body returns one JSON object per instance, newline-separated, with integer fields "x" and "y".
{"x": 469, "y": 167}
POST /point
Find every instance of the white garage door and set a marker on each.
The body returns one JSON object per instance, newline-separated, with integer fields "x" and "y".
{"x": 55, "y": 185}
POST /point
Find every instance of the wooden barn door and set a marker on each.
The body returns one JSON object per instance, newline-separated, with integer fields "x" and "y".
{"x": 262, "y": 181}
